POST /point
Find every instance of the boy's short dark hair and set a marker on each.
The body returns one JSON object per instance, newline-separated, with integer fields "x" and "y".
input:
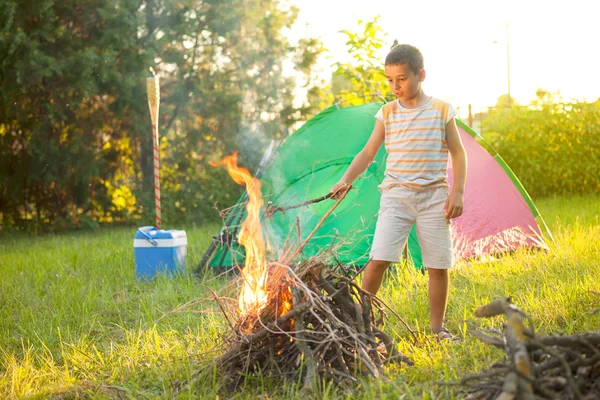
{"x": 405, "y": 54}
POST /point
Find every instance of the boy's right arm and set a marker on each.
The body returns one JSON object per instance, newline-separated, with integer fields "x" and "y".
{"x": 361, "y": 161}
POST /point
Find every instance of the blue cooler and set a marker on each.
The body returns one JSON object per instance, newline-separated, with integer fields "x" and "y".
{"x": 157, "y": 251}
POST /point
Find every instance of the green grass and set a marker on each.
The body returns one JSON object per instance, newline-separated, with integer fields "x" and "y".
{"x": 76, "y": 323}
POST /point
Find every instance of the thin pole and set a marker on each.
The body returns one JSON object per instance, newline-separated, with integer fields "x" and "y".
{"x": 153, "y": 89}
{"x": 470, "y": 116}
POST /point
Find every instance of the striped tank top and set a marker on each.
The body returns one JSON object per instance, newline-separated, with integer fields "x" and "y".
{"x": 415, "y": 140}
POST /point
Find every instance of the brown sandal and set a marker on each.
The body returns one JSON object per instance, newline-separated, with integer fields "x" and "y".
{"x": 444, "y": 335}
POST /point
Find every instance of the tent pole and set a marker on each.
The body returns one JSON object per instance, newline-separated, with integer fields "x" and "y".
{"x": 219, "y": 237}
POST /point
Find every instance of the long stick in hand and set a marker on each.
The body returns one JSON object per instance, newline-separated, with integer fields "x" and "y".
{"x": 153, "y": 89}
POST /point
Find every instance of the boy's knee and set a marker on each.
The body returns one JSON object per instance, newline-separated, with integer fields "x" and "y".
{"x": 437, "y": 273}
{"x": 379, "y": 264}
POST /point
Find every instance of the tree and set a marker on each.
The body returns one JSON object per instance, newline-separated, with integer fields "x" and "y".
{"x": 545, "y": 142}
{"x": 66, "y": 95}
{"x": 364, "y": 76}
{"x": 75, "y": 141}
{"x": 505, "y": 100}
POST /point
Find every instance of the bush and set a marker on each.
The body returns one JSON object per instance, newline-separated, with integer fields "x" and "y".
{"x": 554, "y": 149}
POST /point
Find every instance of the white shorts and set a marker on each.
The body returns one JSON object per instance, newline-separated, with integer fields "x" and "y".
{"x": 400, "y": 208}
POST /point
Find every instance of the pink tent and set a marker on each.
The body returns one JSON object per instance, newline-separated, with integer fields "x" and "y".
{"x": 500, "y": 215}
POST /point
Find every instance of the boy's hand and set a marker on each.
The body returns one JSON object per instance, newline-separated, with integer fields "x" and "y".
{"x": 339, "y": 190}
{"x": 454, "y": 205}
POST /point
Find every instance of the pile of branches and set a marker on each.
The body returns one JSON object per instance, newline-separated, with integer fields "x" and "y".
{"x": 316, "y": 326}
{"x": 536, "y": 366}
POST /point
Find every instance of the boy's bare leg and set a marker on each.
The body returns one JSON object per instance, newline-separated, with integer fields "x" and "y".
{"x": 373, "y": 275}
{"x": 438, "y": 296}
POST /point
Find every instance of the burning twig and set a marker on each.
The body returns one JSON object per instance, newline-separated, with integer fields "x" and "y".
{"x": 271, "y": 209}
{"x": 538, "y": 367}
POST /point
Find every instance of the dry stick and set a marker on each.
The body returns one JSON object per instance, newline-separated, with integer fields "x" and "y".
{"x": 343, "y": 302}
{"x": 338, "y": 346}
{"x": 272, "y": 209}
{"x": 569, "y": 341}
{"x": 366, "y": 313}
{"x": 510, "y": 388}
{"x": 335, "y": 257}
{"x": 366, "y": 361}
{"x": 348, "y": 308}
{"x": 273, "y": 355}
{"x": 574, "y": 389}
{"x": 554, "y": 363}
{"x": 286, "y": 250}
{"x": 360, "y": 322}
{"x": 340, "y": 358}
{"x": 334, "y": 238}
{"x": 309, "y": 360}
{"x": 515, "y": 339}
{"x": 348, "y": 280}
{"x": 494, "y": 308}
{"x": 287, "y": 238}
{"x": 515, "y": 335}
{"x": 339, "y": 263}
{"x": 263, "y": 333}
{"x": 298, "y": 231}
{"x": 487, "y": 339}
{"x": 587, "y": 344}
{"x": 181, "y": 308}
{"x": 549, "y": 393}
{"x": 342, "y": 375}
{"x": 378, "y": 300}
{"x": 369, "y": 331}
{"x": 222, "y": 309}
{"x": 323, "y": 218}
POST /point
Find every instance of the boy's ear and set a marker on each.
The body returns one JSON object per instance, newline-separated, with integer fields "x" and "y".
{"x": 422, "y": 75}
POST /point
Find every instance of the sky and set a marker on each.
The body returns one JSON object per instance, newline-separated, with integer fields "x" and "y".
{"x": 553, "y": 45}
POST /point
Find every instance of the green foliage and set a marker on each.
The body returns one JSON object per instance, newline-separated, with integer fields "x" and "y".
{"x": 364, "y": 75}
{"x": 66, "y": 74}
{"x": 505, "y": 101}
{"x": 356, "y": 82}
{"x": 75, "y": 138}
{"x": 554, "y": 148}
{"x": 76, "y": 323}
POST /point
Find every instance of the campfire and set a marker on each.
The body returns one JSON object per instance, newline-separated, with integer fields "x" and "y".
{"x": 298, "y": 319}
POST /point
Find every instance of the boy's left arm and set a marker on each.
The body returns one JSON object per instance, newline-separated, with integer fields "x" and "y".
{"x": 455, "y": 203}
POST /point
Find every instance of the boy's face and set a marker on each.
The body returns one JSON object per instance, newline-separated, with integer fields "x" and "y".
{"x": 403, "y": 81}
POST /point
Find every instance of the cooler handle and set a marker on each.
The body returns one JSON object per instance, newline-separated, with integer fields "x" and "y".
{"x": 148, "y": 237}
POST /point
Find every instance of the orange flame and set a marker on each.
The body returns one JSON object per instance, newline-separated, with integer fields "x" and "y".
{"x": 286, "y": 302}
{"x": 254, "y": 274}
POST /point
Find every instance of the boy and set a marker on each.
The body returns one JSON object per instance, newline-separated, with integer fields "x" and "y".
{"x": 418, "y": 132}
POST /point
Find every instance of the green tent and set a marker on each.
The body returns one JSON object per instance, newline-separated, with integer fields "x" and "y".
{"x": 315, "y": 157}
